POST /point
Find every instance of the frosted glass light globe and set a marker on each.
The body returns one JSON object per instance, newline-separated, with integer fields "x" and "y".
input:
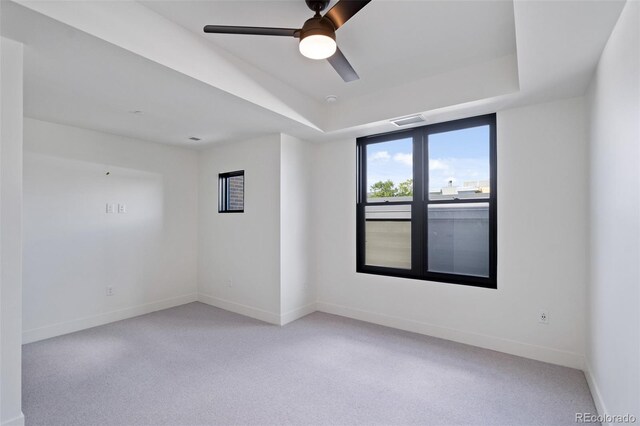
{"x": 317, "y": 46}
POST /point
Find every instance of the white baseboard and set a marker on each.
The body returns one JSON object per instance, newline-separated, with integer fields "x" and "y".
{"x": 66, "y": 327}
{"x": 241, "y": 309}
{"x": 526, "y": 350}
{"x": 539, "y": 353}
{"x": 595, "y": 390}
{"x": 16, "y": 421}
{"x": 298, "y": 313}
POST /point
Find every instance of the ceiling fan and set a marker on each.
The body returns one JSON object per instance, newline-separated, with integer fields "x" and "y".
{"x": 317, "y": 35}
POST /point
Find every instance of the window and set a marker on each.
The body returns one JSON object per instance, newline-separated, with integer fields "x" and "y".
{"x": 231, "y": 192}
{"x": 426, "y": 205}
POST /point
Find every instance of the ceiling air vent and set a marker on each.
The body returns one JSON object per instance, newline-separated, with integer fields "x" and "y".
{"x": 405, "y": 121}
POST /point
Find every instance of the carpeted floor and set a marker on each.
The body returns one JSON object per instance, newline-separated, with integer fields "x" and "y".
{"x": 199, "y": 365}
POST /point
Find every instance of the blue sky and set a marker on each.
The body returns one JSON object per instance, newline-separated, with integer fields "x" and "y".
{"x": 461, "y": 155}
{"x": 390, "y": 160}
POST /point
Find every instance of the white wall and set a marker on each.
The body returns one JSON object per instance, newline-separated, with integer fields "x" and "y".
{"x": 239, "y": 253}
{"x": 73, "y": 249}
{"x": 298, "y": 293}
{"x": 256, "y": 263}
{"x": 613, "y": 350}
{"x": 542, "y": 226}
{"x": 11, "y": 233}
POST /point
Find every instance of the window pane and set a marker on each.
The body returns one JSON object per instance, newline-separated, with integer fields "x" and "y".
{"x": 390, "y": 171}
{"x": 388, "y": 236}
{"x": 459, "y": 238}
{"x": 459, "y": 164}
{"x": 236, "y": 192}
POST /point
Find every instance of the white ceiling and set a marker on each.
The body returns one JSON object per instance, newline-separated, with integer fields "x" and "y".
{"x": 89, "y": 63}
{"x": 387, "y": 42}
{"x": 76, "y": 79}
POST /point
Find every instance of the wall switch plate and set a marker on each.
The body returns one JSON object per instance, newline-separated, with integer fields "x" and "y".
{"x": 230, "y": 282}
{"x": 109, "y": 291}
{"x": 111, "y": 208}
{"x": 543, "y": 316}
{"x": 122, "y": 208}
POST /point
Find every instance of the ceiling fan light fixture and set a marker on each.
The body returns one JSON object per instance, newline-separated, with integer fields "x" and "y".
{"x": 317, "y": 46}
{"x": 317, "y": 38}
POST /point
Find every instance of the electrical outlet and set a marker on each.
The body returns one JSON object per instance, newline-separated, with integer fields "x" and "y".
{"x": 122, "y": 208}
{"x": 543, "y": 316}
{"x": 111, "y": 208}
{"x": 109, "y": 291}
{"x": 230, "y": 282}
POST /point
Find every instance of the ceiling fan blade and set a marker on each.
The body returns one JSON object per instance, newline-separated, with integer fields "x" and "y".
{"x": 229, "y": 29}
{"x": 344, "y": 10}
{"x": 343, "y": 67}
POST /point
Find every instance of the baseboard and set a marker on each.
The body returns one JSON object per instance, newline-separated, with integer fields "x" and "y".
{"x": 539, "y": 353}
{"x": 298, "y": 313}
{"x": 526, "y": 350}
{"x": 16, "y": 421}
{"x": 595, "y": 390}
{"x": 241, "y": 309}
{"x": 35, "y": 334}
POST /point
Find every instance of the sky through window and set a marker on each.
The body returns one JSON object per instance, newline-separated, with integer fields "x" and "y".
{"x": 458, "y": 156}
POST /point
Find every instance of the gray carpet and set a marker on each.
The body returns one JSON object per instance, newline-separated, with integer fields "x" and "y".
{"x": 199, "y": 365}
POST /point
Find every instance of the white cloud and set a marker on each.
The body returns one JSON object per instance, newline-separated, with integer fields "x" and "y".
{"x": 438, "y": 165}
{"x": 459, "y": 170}
{"x": 380, "y": 156}
{"x": 406, "y": 159}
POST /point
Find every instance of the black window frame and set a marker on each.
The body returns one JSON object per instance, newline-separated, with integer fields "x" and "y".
{"x": 224, "y": 194}
{"x": 420, "y": 203}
